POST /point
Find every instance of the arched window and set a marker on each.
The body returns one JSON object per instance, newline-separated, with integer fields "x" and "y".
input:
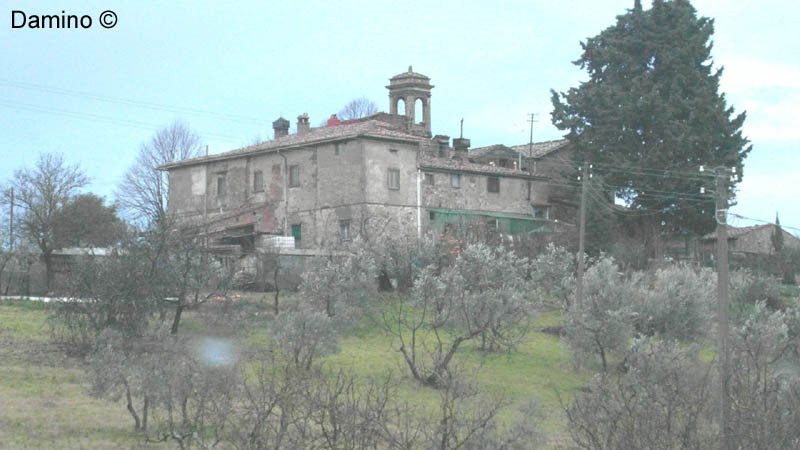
{"x": 419, "y": 106}
{"x": 401, "y": 107}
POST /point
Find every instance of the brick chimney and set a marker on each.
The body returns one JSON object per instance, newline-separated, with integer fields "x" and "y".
{"x": 333, "y": 121}
{"x": 281, "y": 127}
{"x": 303, "y": 125}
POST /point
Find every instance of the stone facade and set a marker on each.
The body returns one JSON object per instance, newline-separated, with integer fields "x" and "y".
{"x": 747, "y": 241}
{"x": 382, "y": 173}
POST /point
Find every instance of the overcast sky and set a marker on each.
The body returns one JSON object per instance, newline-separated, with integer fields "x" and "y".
{"x": 229, "y": 70}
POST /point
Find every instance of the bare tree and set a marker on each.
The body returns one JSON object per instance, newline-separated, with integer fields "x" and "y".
{"x": 357, "y": 108}
{"x": 143, "y": 191}
{"x": 40, "y": 193}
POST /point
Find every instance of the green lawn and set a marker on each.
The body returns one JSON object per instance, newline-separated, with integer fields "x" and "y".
{"x": 44, "y": 401}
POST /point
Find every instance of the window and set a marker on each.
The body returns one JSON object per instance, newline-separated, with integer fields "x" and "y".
{"x": 258, "y": 181}
{"x": 502, "y": 162}
{"x": 492, "y": 224}
{"x": 294, "y": 176}
{"x": 429, "y": 180}
{"x": 297, "y": 233}
{"x": 493, "y": 184}
{"x": 539, "y": 212}
{"x": 337, "y": 149}
{"x": 393, "y": 178}
{"x": 431, "y": 215}
{"x": 455, "y": 180}
{"x": 344, "y": 229}
{"x": 221, "y": 184}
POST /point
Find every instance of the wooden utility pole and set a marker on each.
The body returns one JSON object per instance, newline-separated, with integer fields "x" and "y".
{"x": 11, "y": 223}
{"x": 723, "y": 301}
{"x": 581, "y": 235}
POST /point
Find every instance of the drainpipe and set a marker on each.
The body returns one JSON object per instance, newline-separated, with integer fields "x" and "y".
{"x": 419, "y": 204}
{"x": 285, "y": 197}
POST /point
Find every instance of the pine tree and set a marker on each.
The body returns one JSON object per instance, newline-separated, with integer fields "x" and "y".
{"x": 650, "y": 114}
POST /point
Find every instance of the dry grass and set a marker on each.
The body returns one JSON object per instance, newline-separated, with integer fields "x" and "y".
{"x": 43, "y": 394}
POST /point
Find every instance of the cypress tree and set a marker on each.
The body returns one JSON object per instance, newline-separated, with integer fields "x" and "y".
{"x": 651, "y": 114}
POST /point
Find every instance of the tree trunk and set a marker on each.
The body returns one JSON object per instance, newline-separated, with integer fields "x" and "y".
{"x": 145, "y": 407}
{"x": 277, "y": 289}
{"x": 176, "y": 320}
{"x": 137, "y": 423}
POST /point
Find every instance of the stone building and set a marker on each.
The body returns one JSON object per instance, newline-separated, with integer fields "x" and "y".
{"x": 747, "y": 242}
{"x": 385, "y": 173}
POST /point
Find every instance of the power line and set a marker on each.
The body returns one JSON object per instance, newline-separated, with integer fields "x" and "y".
{"x": 131, "y": 102}
{"x": 100, "y": 118}
{"x": 738, "y": 216}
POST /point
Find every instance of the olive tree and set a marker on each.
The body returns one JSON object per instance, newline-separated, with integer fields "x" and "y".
{"x": 339, "y": 283}
{"x": 659, "y": 399}
{"x": 765, "y": 379}
{"x": 481, "y": 293}
{"x": 676, "y": 302}
{"x": 603, "y": 323}
{"x": 171, "y": 392}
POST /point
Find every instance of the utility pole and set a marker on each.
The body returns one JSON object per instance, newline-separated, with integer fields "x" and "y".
{"x": 581, "y": 234}
{"x": 11, "y": 223}
{"x": 721, "y": 214}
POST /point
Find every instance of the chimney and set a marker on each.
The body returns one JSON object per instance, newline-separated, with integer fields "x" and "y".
{"x": 281, "y": 127}
{"x": 303, "y": 126}
{"x": 461, "y": 144}
{"x": 443, "y": 143}
{"x": 333, "y": 121}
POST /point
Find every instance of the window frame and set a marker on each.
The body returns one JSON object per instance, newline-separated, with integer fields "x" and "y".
{"x": 429, "y": 179}
{"x": 393, "y": 178}
{"x": 344, "y": 230}
{"x": 455, "y": 180}
{"x": 297, "y": 233}
{"x": 294, "y": 175}
{"x": 258, "y": 180}
{"x": 493, "y": 185}
{"x": 222, "y": 184}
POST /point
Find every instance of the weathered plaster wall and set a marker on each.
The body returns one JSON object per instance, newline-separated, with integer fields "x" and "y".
{"x": 473, "y": 194}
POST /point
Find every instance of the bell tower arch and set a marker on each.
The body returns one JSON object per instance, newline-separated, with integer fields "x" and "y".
{"x": 411, "y": 88}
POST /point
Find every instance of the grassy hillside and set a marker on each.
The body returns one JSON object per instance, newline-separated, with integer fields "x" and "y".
{"x": 45, "y": 403}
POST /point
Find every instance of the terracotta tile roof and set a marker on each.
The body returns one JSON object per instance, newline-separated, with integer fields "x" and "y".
{"x": 368, "y": 128}
{"x": 540, "y": 149}
{"x": 491, "y": 150}
{"x": 736, "y": 232}
{"x": 427, "y": 161}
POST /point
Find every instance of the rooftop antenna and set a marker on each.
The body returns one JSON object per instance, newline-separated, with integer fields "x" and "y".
{"x": 531, "y": 120}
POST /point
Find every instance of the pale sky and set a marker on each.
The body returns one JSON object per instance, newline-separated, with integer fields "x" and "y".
{"x": 229, "y": 69}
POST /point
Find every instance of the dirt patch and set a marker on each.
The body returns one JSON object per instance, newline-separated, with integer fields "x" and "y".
{"x": 553, "y": 331}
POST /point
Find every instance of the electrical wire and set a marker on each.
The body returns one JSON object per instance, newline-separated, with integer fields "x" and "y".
{"x": 101, "y": 118}
{"x": 131, "y": 102}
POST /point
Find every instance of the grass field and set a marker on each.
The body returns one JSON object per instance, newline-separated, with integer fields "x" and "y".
{"x": 44, "y": 401}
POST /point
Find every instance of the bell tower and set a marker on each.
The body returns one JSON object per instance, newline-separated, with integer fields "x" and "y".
{"x": 412, "y": 88}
